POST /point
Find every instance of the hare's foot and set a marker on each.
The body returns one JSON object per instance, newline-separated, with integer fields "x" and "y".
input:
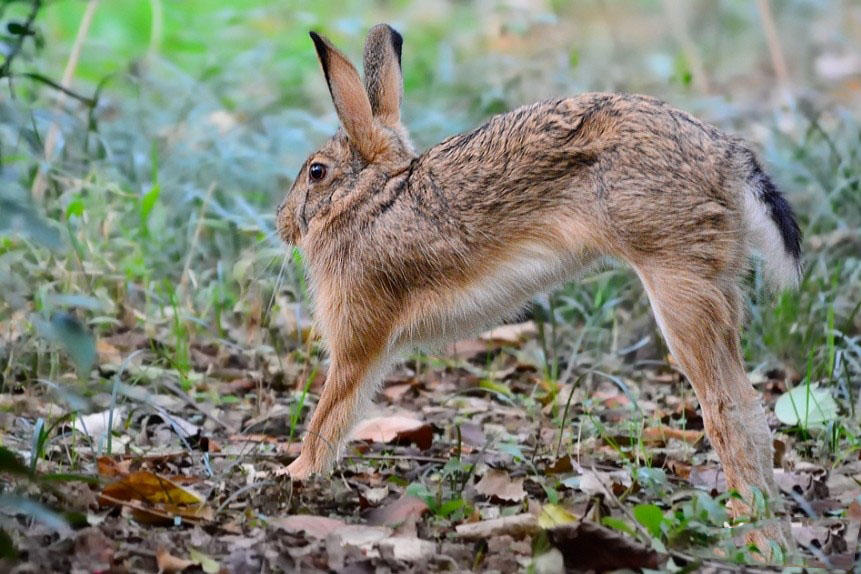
{"x": 775, "y": 543}
{"x": 301, "y": 468}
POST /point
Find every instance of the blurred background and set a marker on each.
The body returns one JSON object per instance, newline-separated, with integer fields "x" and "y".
{"x": 144, "y": 145}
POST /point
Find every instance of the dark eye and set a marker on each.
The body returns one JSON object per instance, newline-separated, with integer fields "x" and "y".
{"x": 317, "y": 171}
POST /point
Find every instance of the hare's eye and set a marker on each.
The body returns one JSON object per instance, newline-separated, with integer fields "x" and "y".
{"x": 317, "y": 171}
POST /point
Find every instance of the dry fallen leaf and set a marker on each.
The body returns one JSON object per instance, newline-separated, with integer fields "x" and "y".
{"x": 659, "y": 435}
{"x": 397, "y": 391}
{"x": 396, "y": 428}
{"x": 168, "y": 563}
{"x": 588, "y": 546}
{"x": 95, "y": 425}
{"x": 313, "y": 526}
{"x": 467, "y": 349}
{"x": 680, "y": 469}
{"x": 596, "y": 482}
{"x": 352, "y": 540}
{"x": 111, "y": 467}
{"x": 517, "y": 526}
{"x": 553, "y": 515}
{"x": 810, "y": 485}
{"x": 108, "y": 354}
{"x": 154, "y": 499}
{"x": 709, "y": 477}
{"x": 207, "y": 563}
{"x": 510, "y": 334}
{"x": 496, "y": 483}
{"x": 407, "y": 549}
{"x": 405, "y": 509}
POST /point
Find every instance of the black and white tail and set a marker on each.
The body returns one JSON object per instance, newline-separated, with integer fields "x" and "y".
{"x": 772, "y": 227}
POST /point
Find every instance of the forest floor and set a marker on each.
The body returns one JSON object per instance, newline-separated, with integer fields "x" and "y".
{"x": 461, "y": 467}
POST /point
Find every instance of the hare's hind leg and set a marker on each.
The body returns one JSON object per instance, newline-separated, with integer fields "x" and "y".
{"x": 700, "y": 319}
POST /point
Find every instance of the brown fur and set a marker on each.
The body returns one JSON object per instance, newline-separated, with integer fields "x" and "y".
{"x": 404, "y": 249}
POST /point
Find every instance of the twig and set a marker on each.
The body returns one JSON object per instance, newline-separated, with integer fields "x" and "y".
{"x": 39, "y": 182}
{"x": 236, "y": 494}
{"x": 394, "y": 457}
{"x": 89, "y": 102}
{"x": 183, "y": 280}
{"x": 6, "y": 69}
{"x": 182, "y": 395}
{"x": 774, "y": 47}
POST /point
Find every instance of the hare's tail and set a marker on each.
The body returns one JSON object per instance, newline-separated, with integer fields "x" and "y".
{"x": 772, "y": 227}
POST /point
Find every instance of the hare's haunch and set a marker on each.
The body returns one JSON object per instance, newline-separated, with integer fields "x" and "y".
{"x": 404, "y": 248}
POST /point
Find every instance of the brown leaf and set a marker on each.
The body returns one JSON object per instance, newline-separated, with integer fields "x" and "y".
{"x": 353, "y": 540}
{"x": 810, "y": 485}
{"x": 680, "y": 469}
{"x": 93, "y": 550}
{"x": 467, "y": 349}
{"x": 588, "y": 546}
{"x": 154, "y": 499}
{"x": 314, "y": 526}
{"x": 397, "y": 391}
{"x": 167, "y": 562}
{"x": 710, "y": 477}
{"x": 472, "y": 434}
{"x": 110, "y": 467}
{"x": 597, "y": 482}
{"x": 405, "y": 509}
{"x": 108, "y": 354}
{"x": 779, "y": 452}
{"x": 661, "y": 434}
{"x": 510, "y": 334}
{"x": 518, "y": 525}
{"x": 394, "y": 429}
{"x": 561, "y": 465}
{"x": 496, "y": 483}
{"x": 853, "y": 513}
{"x": 407, "y": 549}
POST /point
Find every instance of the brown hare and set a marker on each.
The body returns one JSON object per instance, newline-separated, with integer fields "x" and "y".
{"x": 404, "y": 248}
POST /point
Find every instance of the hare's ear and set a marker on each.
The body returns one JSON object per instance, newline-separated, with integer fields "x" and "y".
{"x": 349, "y": 96}
{"x": 383, "y": 77}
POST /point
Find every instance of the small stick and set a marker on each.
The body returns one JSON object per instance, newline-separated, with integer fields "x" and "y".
{"x": 39, "y": 183}
{"x": 774, "y": 47}
{"x": 183, "y": 281}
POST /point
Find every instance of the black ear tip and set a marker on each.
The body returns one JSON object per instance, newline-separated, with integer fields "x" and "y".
{"x": 397, "y": 41}
{"x": 322, "y": 52}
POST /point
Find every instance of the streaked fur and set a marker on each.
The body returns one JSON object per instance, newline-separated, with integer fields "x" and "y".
{"x": 404, "y": 248}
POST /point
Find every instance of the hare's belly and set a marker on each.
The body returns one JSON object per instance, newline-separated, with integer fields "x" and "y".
{"x": 499, "y": 292}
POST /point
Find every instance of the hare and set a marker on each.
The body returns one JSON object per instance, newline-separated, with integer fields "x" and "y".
{"x": 404, "y": 249}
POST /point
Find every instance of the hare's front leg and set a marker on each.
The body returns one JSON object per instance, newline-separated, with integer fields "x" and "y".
{"x": 349, "y": 386}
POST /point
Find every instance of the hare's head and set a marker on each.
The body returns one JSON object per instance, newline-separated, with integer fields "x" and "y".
{"x": 372, "y": 143}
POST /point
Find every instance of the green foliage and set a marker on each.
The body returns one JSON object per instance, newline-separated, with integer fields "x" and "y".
{"x": 806, "y": 406}
{"x": 651, "y": 517}
{"x": 66, "y": 330}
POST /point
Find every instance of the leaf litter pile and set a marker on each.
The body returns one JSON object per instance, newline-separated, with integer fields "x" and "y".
{"x": 473, "y": 459}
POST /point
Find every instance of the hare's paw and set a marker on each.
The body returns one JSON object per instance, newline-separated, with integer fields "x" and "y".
{"x": 301, "y": 468}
